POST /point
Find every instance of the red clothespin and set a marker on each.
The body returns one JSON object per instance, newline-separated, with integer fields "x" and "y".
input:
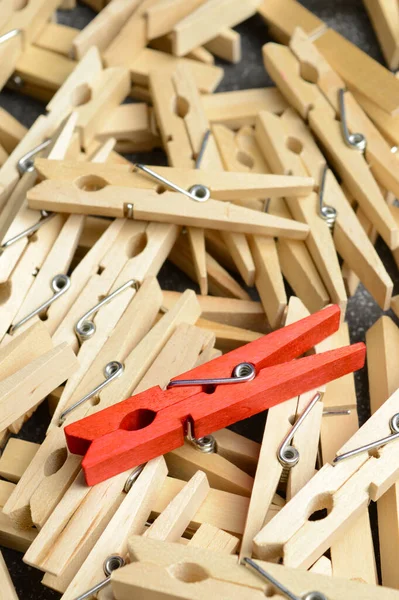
{"x": 233, "y": 387}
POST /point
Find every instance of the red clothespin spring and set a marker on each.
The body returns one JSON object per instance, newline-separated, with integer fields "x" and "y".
{"x": 155, "y": 422}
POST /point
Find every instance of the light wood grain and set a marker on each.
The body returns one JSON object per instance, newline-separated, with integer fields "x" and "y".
{"x": 212, "y": 538}
{"x": 223, "y": 577}
{"x": 15, "y": 459}
{"x": 130, "y": 518}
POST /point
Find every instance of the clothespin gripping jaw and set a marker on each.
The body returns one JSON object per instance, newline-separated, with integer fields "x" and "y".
{"x": 156, "y": 421}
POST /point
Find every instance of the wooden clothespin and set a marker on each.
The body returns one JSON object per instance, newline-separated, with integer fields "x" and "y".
{"x": 70, "y": 532}
{"x": 172, "y": 436}
{"x": 351, "y": 63}
{"x": 22, "y": 164}
{"x": 101, "y": 355}
{"x": 187, "y": 572}
{"x": 148, "y": 205}
{"x": 206, "y": 21}
{"x": 343, "y": 488}
{"x": 382, "y": 343}
{"x": 222, "y": 185}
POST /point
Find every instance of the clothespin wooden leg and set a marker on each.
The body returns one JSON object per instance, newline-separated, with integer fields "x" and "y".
{"x": 215, "y": 539}
{"x": 220, "y": 282}
{"x": 268, "y": 279}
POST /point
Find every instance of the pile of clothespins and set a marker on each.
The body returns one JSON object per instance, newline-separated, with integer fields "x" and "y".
{"x": 139, "y": 490}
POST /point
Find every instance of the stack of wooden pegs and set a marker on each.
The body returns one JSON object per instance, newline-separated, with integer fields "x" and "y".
{"x": 271, "y": 203}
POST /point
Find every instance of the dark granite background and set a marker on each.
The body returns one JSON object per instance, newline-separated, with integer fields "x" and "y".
{"x": 349, "y": 18}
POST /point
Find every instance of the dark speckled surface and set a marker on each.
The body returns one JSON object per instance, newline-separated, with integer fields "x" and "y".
{"x": 350, "y": 19}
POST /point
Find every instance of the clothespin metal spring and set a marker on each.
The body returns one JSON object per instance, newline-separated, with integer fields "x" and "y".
{"x": 112, "y": 563}
{"x": 46, "y": 217}
{"x": 9, "y": 35}
{"x": 336, "y": 413}
{"x": 201, "y": 153}
{"x": 198, "y": 192}
{"x": 327, "y": 213}
{"x": 112, "y": 370}
{"x": 357, "y": 141}
{"x": 85, "y": 328}
{"x": 279, "y": 586}
{"x": 25, "y": 163}
{"x": 394, "y": 425}
{"x": 241, "y": 373}
{"x": 60, "y": 284}
{"x": 288, "y": 455}
{"x": 206, "y": 444}
{"x": 134, "y": 475}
